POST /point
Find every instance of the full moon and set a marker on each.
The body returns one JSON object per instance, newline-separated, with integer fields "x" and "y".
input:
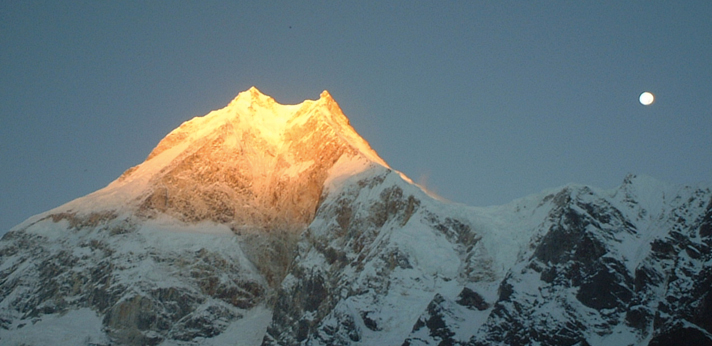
{"x": 646, "y": 98}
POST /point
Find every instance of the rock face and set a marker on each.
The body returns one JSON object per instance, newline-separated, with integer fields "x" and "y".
{"x": 277, "y": 224}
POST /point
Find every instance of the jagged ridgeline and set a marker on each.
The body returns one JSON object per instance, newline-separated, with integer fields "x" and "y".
{"x": 270, "y": 224}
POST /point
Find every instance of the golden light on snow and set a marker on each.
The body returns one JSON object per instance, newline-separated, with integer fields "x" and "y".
{"x": 255, "y": 162}
{"x": 646, "y": 98}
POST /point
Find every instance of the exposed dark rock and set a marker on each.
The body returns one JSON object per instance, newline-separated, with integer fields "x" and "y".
{"x": 472, "y": 300}
{"x": 368, "y": 322}
{"x": 604, "y": 290}
{"x": 639, "y": 318}
{"x": 681, "y": 336}
{"x": 434, "y": 321}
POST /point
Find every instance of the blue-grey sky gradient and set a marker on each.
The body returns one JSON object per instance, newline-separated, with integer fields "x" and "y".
{"x": 483, "y": 101}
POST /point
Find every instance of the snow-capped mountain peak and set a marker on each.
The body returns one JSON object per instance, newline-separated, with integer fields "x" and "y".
{"x": 255, "y": 162}
{"x": 271, "y": 224}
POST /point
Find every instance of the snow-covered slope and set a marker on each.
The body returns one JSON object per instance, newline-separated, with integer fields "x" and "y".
{"x": 629, "y": 266}
{"x": 273, "y": 224}
{"x": 193, "y": 239}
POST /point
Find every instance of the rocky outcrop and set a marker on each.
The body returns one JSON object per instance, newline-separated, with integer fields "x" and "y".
{"x": 149, "y": 286}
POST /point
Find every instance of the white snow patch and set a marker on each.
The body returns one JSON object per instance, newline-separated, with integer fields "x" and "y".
{"x": 347, "y": 167}
{"x": 76, "y": 327}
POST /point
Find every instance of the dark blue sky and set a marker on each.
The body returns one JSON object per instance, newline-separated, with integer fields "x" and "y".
{"x": 485, "y": 102}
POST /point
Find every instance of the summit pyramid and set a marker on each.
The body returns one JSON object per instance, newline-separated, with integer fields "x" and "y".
{"x": 270, "y": 224}
{"x": 253, "y": 164}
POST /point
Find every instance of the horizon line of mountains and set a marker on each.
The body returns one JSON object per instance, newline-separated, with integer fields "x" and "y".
{"x": 270, "y": 224}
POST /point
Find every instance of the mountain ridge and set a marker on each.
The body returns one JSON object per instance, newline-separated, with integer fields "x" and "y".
{"x": 272, "y": 224}
{"x": 261, "y": 131}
